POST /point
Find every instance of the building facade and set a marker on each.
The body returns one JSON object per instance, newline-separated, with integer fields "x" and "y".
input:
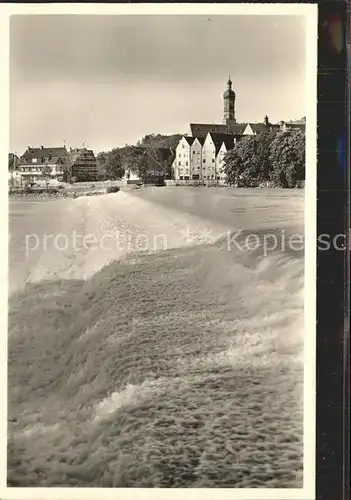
{"x": 182, "y": 159}
{"x": 84, "y": 166}
{"x": 225, "y": 146}
{"x": 209, "y": 158}
{"x": 199, "y": 159}
{"x": 196, "y": 159}
{"x": 54, "y": 162}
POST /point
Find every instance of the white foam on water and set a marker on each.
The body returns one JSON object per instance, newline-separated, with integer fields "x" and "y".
{"x": 113, "y": 226}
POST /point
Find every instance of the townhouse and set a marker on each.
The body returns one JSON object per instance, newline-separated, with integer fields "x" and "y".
{"x": 182, "y": 170}
{"x": 196, "y": 150}
{"x": 202, "y": 159}
{"x": 33, "y": 161}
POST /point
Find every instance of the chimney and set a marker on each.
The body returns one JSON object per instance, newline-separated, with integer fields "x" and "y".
{"x": 266, "y": 121}
{"x": 42, "y": 147}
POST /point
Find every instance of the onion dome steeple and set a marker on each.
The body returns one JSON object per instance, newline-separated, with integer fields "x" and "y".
{"x": 229, "y": 103}
{"x": 229, "y": 92}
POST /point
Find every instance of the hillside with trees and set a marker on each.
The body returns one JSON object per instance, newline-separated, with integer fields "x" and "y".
{"x": 114, "y": 163}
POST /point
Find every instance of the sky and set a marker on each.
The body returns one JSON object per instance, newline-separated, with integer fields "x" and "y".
{"x": 106, "y": 81}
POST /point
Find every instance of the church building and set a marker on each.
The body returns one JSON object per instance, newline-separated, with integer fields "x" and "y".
{"x": 229, "y": 124}
{"x": 200, "y": 155}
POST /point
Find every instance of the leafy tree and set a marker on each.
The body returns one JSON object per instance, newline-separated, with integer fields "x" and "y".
{"x": 130, "y": 157}
{"x": 248, "y": 163}
{"x": 136, "y": 160}
{"x": 264, "y": 166}
{"x": 13, "y": 160}
{"x": 67, "y": 173}
{"x": 278, "y": 157}
{"x": 46, "y": 172}
{"x": 287, "y": 158}
{"x": 110, "y": 164}
{"x": 143, "y": 166}
{"x": 241, "y": 163}
{"x": 161, "y": 141}
{"x": 139, "y": 159}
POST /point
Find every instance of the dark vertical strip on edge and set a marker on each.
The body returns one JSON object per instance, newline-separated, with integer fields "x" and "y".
{"x": 332, "y": 201}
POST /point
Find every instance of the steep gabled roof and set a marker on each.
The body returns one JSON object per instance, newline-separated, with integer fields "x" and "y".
{"x": 44, "y": 153}
{"x": 201, "y": 140}
{"x": 218, "y": 140}
{"x": 52, "y": 160}
{"x": 82, "y": 155}
{"x": 202, "y": 129}
{"x": 258, "y": 128}
{"x": 237, "y": 128}
{"x": 189, "y": 139}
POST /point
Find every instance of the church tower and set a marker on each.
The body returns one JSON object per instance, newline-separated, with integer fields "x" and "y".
{"x": 229, "y": 104}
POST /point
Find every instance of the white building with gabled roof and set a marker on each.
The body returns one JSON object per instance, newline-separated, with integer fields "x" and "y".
{"x": 196, "y": 159}
{"x": 182, "y": 167}
{"x": 212, "y": 152}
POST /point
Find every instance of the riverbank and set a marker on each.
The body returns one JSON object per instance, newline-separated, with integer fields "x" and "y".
{"x": 55, "y": 196}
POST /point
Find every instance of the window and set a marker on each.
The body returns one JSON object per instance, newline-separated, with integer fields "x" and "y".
{"x": 186, "y": 163}
{"x": 34, "y": 160}
{"x": 179, "y": 163}
{"x": 204, "y": 160}
{"x": 193, "y": 152}
{"x": 183, "y": 146}
{"x": 213, "y": 160}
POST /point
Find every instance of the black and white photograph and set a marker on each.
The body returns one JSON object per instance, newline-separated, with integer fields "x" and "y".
{"x": 160, "y": 275}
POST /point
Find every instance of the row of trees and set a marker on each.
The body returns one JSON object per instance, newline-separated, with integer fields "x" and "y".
{"x": 275, "y": 158}
{"x": 113, "y": 164}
